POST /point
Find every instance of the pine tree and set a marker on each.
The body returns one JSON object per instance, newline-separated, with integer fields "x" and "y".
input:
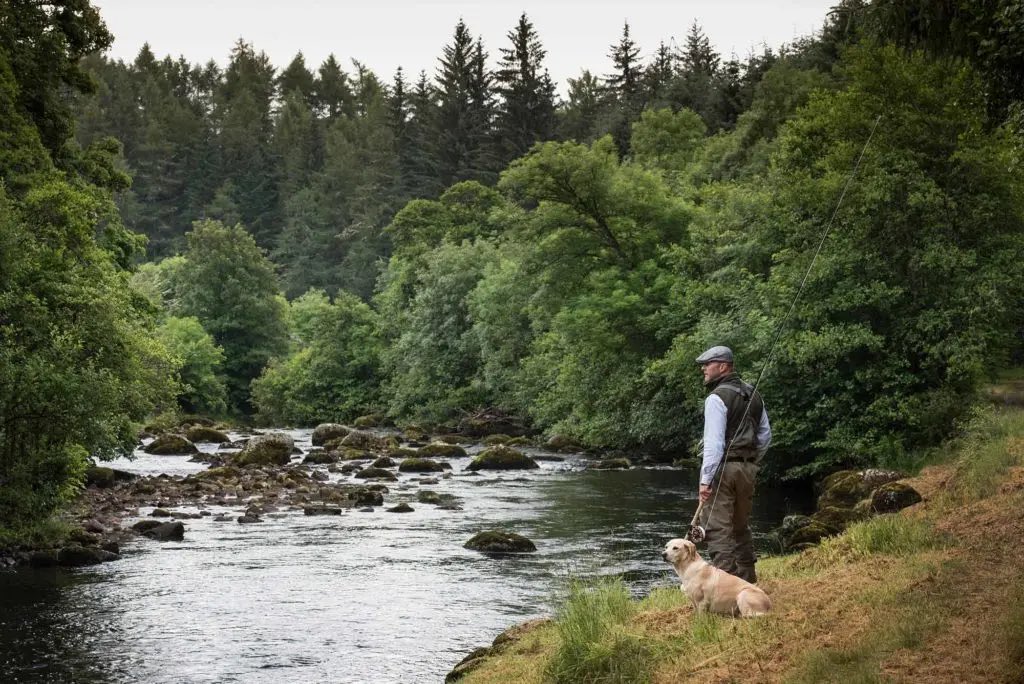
{"x": 697, "y": 85}
{"x": 526, "y": 113}
{"x": 578, "y": 118}
{"x": 658, "y": 77}
{"x": 465, "y": 111}
{"x": 419, "y": 152}
{"x": 332, "y": 92}
{"x": 626, "y": 86}
{"x": 296, "y": 77}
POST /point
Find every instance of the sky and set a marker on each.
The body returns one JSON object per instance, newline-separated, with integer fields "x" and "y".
{"x": 385, "y": 34}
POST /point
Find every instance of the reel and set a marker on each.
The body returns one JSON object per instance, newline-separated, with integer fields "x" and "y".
{"x": 696, "y": 533}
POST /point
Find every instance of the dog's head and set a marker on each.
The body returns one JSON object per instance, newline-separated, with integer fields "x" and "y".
{"x": 679, "y": 552}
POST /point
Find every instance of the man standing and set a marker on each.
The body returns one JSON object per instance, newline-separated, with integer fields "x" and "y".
{"x": 736, "y": 430}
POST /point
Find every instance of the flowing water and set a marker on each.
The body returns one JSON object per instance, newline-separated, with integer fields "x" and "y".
{"x": 362, "y": 597}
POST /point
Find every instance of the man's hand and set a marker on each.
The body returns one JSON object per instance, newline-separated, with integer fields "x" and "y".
{"x": 705, "y": 493}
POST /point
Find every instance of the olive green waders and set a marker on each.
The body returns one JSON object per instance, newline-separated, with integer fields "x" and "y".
{"x": 726, "y": 520}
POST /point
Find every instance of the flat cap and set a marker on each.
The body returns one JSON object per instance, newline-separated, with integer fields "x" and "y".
{"x": 718, "y": 353}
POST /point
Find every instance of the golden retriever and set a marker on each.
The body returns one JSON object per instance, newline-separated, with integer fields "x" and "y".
{"x": 711, "y": 589}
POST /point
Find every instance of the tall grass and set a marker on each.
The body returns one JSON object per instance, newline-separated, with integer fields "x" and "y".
{"x": 595, "y": 644}
{"x": 892, "y": 535}
{"x": 1013, "y": 635}
{"x": 991, "y": 445}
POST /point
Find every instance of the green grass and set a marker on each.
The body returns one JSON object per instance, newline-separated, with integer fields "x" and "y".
{"x": 1013, "y": 634}
{"x": 892, "y": 535}
{"x": 595, "y": 643}
{"x": 46, "y": 533}
{"x": 986, "y": 452}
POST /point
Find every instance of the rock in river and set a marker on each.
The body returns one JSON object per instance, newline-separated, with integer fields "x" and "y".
{"x": 421, "y": 465}
{"x": 500, "y": 541}
{"x": 325, "y": 432}
{"x": 501, "y": 457}
{"x": 442, "y": 450}
{"x": 170, "y": 445}
{"x": 274, "y": 448}
{"x": 154, "y": 529}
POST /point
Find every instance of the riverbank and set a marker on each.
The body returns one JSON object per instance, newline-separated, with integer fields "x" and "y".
{"x": 930, "y": 594}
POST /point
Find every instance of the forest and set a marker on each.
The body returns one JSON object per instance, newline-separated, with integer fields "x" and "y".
{"x": 289, "y": 246}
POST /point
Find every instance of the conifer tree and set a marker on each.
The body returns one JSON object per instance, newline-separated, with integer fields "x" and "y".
{"x": 332, "y": 92}
{"x": 526, "y": 113}
{"x": 625, "y": 85}
{"x": 297, "y": 77}
{"x": 578, "y": 118}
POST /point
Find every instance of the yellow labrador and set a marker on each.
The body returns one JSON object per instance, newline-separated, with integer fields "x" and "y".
{"x": 712, "y": 589}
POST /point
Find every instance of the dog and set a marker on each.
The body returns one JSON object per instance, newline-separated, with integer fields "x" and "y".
{"x": 711, "y": 589}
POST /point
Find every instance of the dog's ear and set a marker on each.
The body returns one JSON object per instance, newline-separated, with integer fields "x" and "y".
{"x": 691, "y": 549}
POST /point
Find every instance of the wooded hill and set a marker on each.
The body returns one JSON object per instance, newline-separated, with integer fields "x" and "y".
{"x": 322, "y": 243}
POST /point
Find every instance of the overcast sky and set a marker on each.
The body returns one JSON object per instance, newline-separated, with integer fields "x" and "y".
{"x": 383, "y": 34}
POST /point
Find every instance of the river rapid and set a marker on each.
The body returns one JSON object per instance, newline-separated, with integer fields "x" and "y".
{"x": 362, "y": 597}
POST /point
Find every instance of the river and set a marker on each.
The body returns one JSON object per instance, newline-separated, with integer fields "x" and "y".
{"x": 363, "y": 597}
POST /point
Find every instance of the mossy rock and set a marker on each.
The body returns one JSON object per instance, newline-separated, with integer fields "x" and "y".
{"x": 562, "y": 443}
{"x": 474, "y": 660}
{"x": 500, "y": 541}
{"x": 792, "y": 523}
{"x": 863, "y": 509}
{"x": 807, "y": 535}
{"x": 427, "y": 496}
{"x": 415, "y": 433}
{"x": 364, "y": 496}
{"x": 894, "y": 496}
{"x": 403, "y": 452}
{"x": 103, "y": 477}
{"x": 421, "y": 465}
{"x": 501, "y": 457}
{"x": 376, "y": 474}
{"x": 384, "y": 462}
{"x": 325, "y": 432}
{"x": 360, "y": 439}
{"x": 611, "y": 464}
{"x": 491, "y": 440}
{"x": 453, "y": 438}
{"x": 170, "y": 445}
{"x": 441, "y": 450}
{"x": 846, "y": 487}
{"x": 370, "y": 420}
{"x": 274, "y": 448}
{"x": 401, "y": 508}
{"x": 320, "y": 457}
{"x": 201, "y": 433}
{"x": 835, "y": 518}
{"x": 351, "y": 454}
{"x": 192, "y": 419}
{"x": 519, "y": 441}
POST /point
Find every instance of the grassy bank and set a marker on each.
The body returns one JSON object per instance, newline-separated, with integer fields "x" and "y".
{"x": 931, "y": 594}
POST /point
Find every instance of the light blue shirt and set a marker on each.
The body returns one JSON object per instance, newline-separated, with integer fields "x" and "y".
{"x": 714, "y": 436}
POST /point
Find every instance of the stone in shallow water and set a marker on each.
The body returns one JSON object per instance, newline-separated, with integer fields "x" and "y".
{"x": 500, "y": 541}
{"x": 501, "y": 457}
{"x": 401, "y": 508}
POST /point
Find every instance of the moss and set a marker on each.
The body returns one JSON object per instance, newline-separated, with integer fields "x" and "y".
{"x": 170, "y": 445}
{"x": 893, "y": 497}
{"x": 383, "y": 462}
{"x": 320, "y": 457}
{"x": 268, "y": 449}
{"x": 421, "y": 465}
{"x": 325, "y": 432}
{"x": 97, "y": 476}
{"x": 835, "y": 519}
{"x": 376, "y": 474}
{"x": 439, "y": 450}
{"x": 491, "y": 440}
{"x": 201, "y": 433}
{"x": 501, "y": 457}
{"x": 808, "y": 534}
{"x": 519, "y": 441}
{"x": 369, "y": 421}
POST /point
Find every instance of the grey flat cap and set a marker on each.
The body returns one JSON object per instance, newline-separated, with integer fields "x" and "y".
{"x": 718, "y": 353}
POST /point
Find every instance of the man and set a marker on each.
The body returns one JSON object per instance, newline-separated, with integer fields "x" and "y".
{"x": 740, "y": 436}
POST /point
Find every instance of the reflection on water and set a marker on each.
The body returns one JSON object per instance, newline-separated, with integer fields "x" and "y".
{"x": 356, "y": 598}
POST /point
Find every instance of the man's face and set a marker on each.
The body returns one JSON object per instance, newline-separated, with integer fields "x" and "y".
{"x": 714, "y": 370}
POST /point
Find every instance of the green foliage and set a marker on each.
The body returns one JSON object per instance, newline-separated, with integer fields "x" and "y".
{"x": 335, "y": 376}
{"x": 987, "y": 450}
{"x": 198, "y": 361}
{"x": 594, "y": 644}
{"x": 230, "y": 286}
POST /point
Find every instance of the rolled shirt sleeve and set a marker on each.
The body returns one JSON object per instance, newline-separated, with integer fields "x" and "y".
{"x": 764, "y": 434}
{"x": 714, "y": 437}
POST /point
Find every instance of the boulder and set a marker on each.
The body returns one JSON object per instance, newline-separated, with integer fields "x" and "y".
{"x": 427, "y": 496}
{"x": 834, "y": 518}
{"x": 421, "y": 465}
{"x": 500, "y": 541}
{"x": 170, "y": 445}
{"x": 805, "y": 536}
{"x": 467, "y": 664}
{"x": 76, "y": 556}
{"x": 792, "y": 523}
{"x": 415, "y": 433}
{"x": 160, "y": 513}
{"x": 104, "y": 478}
{"x": 384, "y": 462}
{"x": 501, "y": 457}
{"x": 369, "y": 421}
{"x": 190, "y": 419}
{"x": 491, "y": 440}
{"x": 367, "y": 441}
{"x": 401, "y": 508}
{"x": 561, "y": 443}
{"x": 273, "y": 448}
{"x": 893, "y": 496}
{"x": 321, "y": 510}
{"x": 845, "y": 488}
{"x": 325, "y": 432}
{"x": 454, "y": 438}
{"x": 154, "y": 529}
{"x": 485, "y": 423}
{"x": 320, "y": 457}
{"x": 611, "y": 464}
{"x": 403, "y": 452}
{"x": 441, "y": 450}
{"x": 43, "y": 559}
{"x": 376, "y": 474}
{"x": 367, "y": 497}
{"x": 519, "y": 441}
{"x": 249, "y": 518}
{"x": 200, "y": 433}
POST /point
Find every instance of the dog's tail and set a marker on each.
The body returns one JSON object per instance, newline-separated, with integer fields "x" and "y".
{"x": 752, "y": 602}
